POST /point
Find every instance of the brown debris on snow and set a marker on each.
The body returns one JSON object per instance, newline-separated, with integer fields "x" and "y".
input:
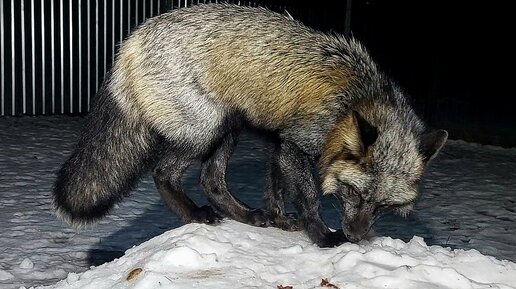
{"x": 133, "y": 274}
{"x": 326, "y": 283}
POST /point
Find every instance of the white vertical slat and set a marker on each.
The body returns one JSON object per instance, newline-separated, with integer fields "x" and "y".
{"x": 61, "y": 46}
{"x": 79, "y": 28}
{"x": 96, "y": 45}
{"x": 70, "y": 9}
{"x": 113, "y": 38}
{"x": 121, "y": 36}
{"x": 43, "y": 82}
{"x": 88, "y": 52}
{"x": 53, "y": 55}
{"x": 136, "y": 13}
{"x": 144, "y": 8}
{"x": 13, "y": 63}
{"x": 33, "y": 51}
{"x": 24, "y": 62}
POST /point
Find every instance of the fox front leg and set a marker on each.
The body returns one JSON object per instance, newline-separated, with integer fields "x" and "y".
{"x": 298, "y": 181}
{"x": 275, "y": 197}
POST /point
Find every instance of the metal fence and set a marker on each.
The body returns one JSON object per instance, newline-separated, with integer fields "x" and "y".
{"x": 55, "y": 53}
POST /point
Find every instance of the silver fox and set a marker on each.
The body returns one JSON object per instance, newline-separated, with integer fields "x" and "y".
{"x": 186, "y": 83}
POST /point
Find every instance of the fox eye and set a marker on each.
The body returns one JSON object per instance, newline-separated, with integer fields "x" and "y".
{"x": 352, "y": 189}
{"x": 383, "y": 209}
{"x": 353, "y": 192}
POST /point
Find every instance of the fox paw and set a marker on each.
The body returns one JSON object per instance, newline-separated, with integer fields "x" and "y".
{"x": 332, "y": 239}
{"x": 206, "y": 215}
{"x": 287, "y": 222}
{"x": 259, "y": 218}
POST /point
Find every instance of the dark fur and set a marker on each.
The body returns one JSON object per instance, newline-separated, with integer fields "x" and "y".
{"x": 109, "y": 154}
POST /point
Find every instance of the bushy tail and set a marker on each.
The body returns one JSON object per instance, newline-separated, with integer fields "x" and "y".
{"x": 113, "y": 152}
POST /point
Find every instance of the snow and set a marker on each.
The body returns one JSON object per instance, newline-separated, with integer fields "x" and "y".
{"x": 235, "y": 255}
{"x": 26, "y": 264}
{"x": 468, "y": 202}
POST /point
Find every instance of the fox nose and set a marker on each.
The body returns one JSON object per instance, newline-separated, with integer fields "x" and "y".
{"x": 353, "y": 238}
{"x": 356, "y": 234}
{"x": 357, "y": 229}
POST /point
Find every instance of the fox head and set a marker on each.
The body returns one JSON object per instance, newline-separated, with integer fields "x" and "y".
{"x": 373, "y": 170}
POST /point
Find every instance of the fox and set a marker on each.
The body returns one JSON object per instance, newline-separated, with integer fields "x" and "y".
{"x": 186, "y": 83}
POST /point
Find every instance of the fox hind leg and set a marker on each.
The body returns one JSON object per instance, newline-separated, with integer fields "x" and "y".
{"x": 213, "y": 181}
{"x": 167, "y": 177}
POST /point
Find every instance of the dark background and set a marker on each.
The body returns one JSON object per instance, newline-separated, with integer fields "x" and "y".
{"x": 453, "y": 58}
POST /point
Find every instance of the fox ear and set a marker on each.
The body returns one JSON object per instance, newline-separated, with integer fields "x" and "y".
{"x": 349, "y": 139}
{"x": 368, "y": 133}
{"x": 432, "y": 142}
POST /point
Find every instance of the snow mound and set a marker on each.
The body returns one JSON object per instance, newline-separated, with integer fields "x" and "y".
{"x": 234, "y": 255}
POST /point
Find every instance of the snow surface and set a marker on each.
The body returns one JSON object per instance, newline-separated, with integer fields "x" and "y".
{"x": 235, "y": 255}
{"x": 468, "y": 202}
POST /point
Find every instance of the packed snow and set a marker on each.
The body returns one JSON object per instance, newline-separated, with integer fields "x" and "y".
{"x": 468, "y": 202}
{"x": 234, "y": 255}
